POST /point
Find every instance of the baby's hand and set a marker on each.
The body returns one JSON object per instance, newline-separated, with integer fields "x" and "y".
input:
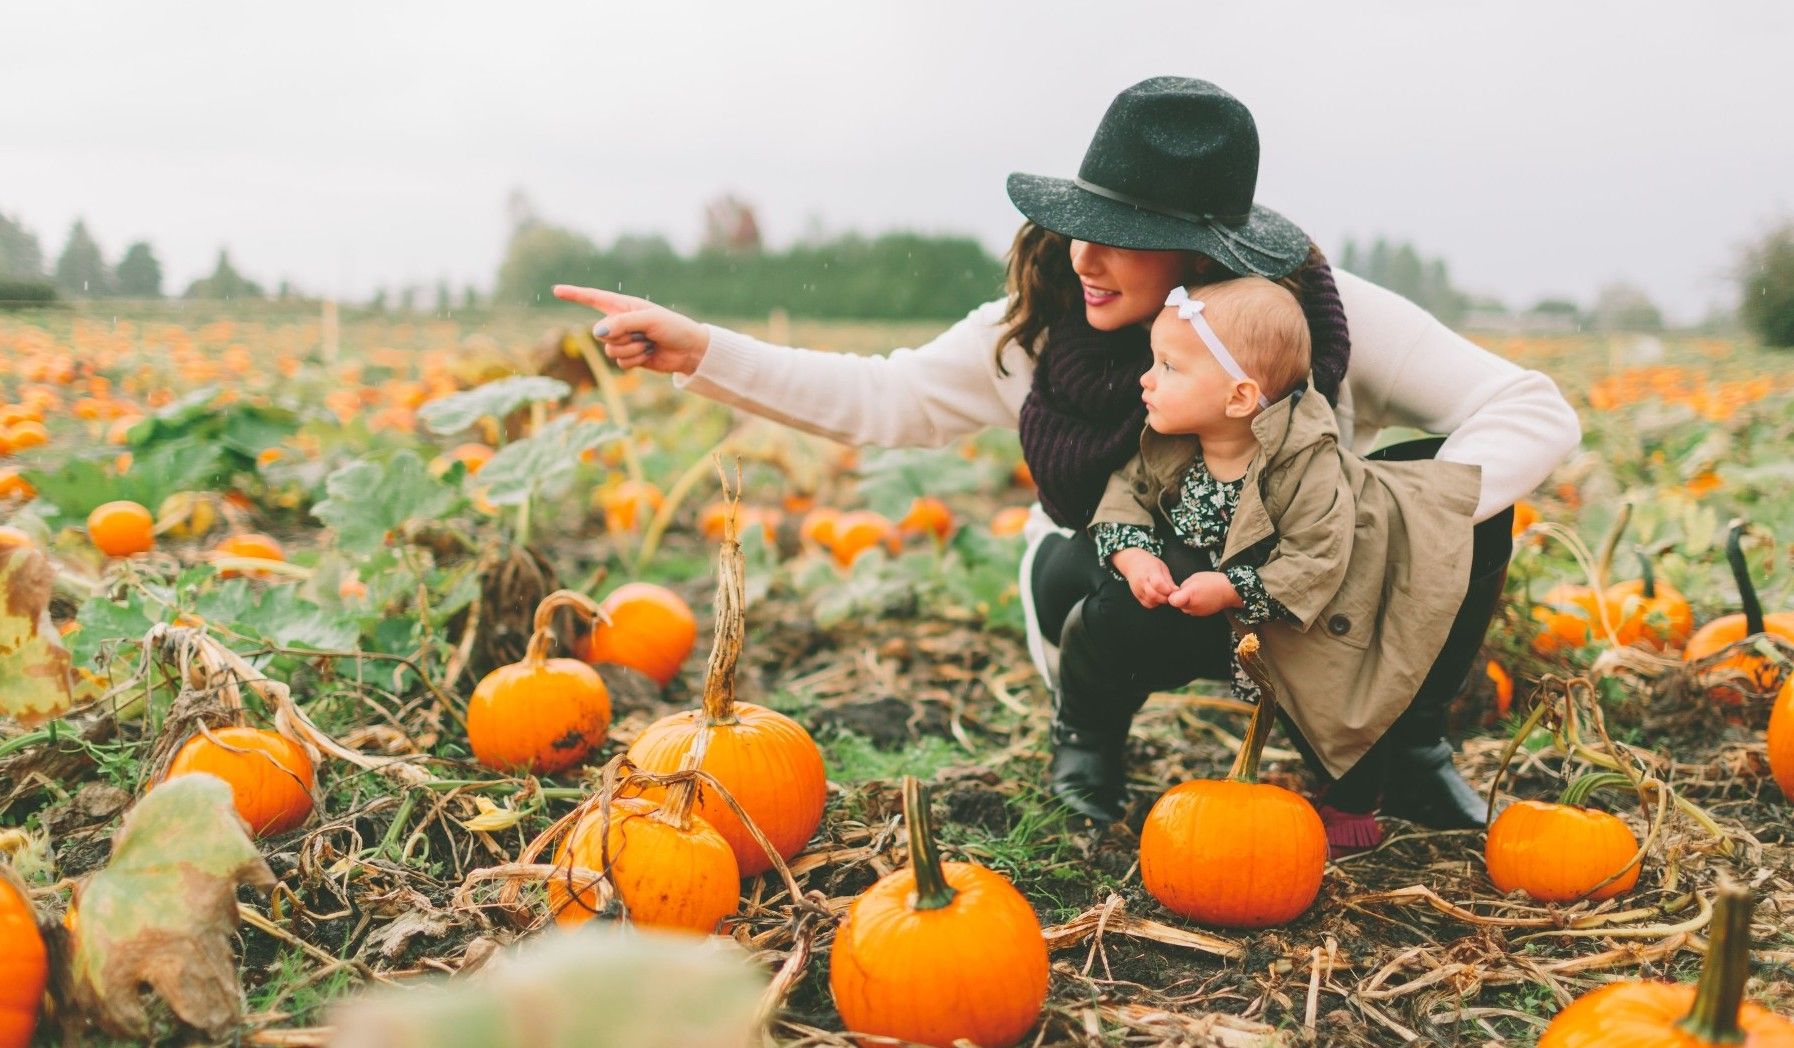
{"x": 1206, "y": 593}
{"x": 1146, "y": 575}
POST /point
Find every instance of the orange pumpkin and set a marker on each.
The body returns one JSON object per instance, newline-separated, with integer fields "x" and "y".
{"x": 859, "y": 531}
{"x": 1504, "y": 688}
{"x": 24, "y": 965}
{"x": 13, "y": 538}
{"x": 1760, "y": 674}
{"x": 1650, "y": 1014}
{"x": 1009, "y": 521}
{"x": 628, "y": 505}
{"x": 766, "y": 760}
{"x": 670, "y": 868}
{"x": 889, "y": 974}
{"x": 14, "y": 486}
{"x": 1562, "y": 852}
{"x": 818, "y": 526}
{"x": 251, "y": 545}
{"x": 270, "y": 775}
{"x": 1781, "y": 740}
{"x": 120, "y": 529}
{"x": 540, "y": 715}
{"x": 473, "y": 456}
{"x": 645, "y": 627}
{"x": 927, "y": 515}
{"x": 1235, "y": 853}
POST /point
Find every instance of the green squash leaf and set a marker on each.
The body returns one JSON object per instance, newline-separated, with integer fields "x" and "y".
{"x": 458, "y": 411}
{"x": 369, "y": 500}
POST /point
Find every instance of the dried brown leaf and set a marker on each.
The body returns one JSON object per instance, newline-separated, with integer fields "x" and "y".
{"x": 36, "y": 679}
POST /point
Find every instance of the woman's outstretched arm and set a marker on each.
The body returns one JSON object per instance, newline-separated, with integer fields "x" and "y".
{"x": 925, "y": 396}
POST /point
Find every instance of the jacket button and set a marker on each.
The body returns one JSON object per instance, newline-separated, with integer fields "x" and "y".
{"x": 1139, "y": 487}
{"x": 1339, "y": 625}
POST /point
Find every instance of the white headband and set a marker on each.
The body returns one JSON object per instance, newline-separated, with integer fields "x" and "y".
{"x": 1190, "y": 309}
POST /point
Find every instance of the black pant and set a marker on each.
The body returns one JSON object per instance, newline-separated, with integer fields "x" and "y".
{"x": 1123, "y": 652}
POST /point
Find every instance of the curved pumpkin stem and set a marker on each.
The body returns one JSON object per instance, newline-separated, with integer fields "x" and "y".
{"x": 1245, "y": 763}
{"x": 1747, "y": 592}
{"x": 932, "y": 890}
{"x": 725, "y": 651}
{"x": 1714, "y": 1017}
{"x": 541, "y": 639}
{"x": 1609, "y": 543}
{"x": 1647, "y": 573}
{"x": 682, "y": 795}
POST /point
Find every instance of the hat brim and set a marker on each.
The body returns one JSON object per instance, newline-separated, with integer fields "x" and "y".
{"x": 1266, "y": 244}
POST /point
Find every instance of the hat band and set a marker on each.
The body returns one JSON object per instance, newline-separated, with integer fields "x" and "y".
{"x": 1206, "y": 218}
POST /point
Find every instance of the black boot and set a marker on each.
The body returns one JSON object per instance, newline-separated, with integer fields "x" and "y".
{"x": 1423, "y": 785}
{"x": 1088, "y": 773}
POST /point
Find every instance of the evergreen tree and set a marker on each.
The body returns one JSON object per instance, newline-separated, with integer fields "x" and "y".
{"x": 81, "y": 269}
{"x": 470, "y": 299}
{"x": 444, "y": 303}
{"x": 21, "y": 257}
{"x": 1766, "y": 286}
{"x": 1348, "y": 258}
{"x": 224, "y": 283}
{"x": 139, "y": 275}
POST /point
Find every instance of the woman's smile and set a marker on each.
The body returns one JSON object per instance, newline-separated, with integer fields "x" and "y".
{"x": 1099, "y": 296}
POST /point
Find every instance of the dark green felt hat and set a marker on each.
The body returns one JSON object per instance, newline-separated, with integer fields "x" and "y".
{"x": 1172, "y": 167}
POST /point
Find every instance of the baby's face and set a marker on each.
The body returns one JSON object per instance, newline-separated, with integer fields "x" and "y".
{"x": 1185, "y": 390}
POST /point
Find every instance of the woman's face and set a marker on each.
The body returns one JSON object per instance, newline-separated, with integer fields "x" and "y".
{"x": 1123, "y": 286}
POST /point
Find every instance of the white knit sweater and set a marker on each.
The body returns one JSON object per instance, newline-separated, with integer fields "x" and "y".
{"x": 1406, "y": 369}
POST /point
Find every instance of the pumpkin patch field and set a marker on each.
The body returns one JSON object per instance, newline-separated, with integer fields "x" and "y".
{"x": 337, "y": 662}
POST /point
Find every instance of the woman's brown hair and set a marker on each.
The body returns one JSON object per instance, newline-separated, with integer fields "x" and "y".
{"x": 1043, "y": 288}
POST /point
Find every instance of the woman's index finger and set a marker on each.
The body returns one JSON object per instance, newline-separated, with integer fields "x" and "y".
{"x": 597, "y": 298}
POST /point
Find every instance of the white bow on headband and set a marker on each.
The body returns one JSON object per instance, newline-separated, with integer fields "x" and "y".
{"x": 1190, "y": 309}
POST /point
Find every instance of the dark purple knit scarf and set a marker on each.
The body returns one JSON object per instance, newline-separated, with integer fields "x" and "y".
{"x": 1082, "y": 418}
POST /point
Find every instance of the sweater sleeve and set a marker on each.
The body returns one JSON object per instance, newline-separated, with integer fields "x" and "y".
{"x": 1408, "y": 369}
{"x": 925, "y": 396}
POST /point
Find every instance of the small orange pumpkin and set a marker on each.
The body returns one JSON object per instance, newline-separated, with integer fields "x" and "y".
{"x": 818, "y": 526}
{"x": 24, "y": 965}
{"x": 120, "y": 529}
{"x": 927, "y": 515}
{"x": 1235, "y": 852}
{"x": 1563, "y": 852}
{"x": 859, "y": 531}
{"x": 645, "y": 627}
{"x": 1650, "y": 1014}
{"x": 670, "y": 868}
{"x": 1781, "y": 740}
{"x": 886, "y": 972}
{"x": 540, "y": 715}
{"x": 766, "y": 760}
{"x": 270, "y": 775}
{"x": 1009, "y": 520}
{"x": 1761, "y": 674}
{"x": 251, "y": 545}
{"x": 628, "y": 505}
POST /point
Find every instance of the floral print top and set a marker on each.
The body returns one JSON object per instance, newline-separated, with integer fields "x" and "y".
{"x": 1200, "y": 517}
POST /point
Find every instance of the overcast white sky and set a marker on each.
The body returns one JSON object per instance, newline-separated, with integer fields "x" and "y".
{"x": 1541, "y": 146}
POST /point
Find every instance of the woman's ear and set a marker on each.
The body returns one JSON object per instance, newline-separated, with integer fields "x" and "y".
{"x": 1242, "y": 399}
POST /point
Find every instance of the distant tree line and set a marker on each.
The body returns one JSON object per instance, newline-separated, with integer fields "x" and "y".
{"x": 1404, "y": 270}
{"x": 891, "y": 276}
{"x": 81, "y": 270}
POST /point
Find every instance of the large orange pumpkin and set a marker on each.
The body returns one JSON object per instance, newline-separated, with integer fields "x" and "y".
{"x": 645, "y": 627}
{"x": 1235, "y": 853}
{"x": 939, "y": 952}
{"x": 540, "y": 715}
{"x": 1649, "y": 1014}
{"x": 24, "y": 966}
{"x": 1760, "y": 673}
{"x": 270, "y": 775}
{"x": 670, "y": 868}
{"x": 766, "y": 760}
{"x": 1781, "y": 740}
{"x": 1560, "y": 852}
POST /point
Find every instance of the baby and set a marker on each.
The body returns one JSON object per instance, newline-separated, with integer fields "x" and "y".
{"x": 1217, "y": 362}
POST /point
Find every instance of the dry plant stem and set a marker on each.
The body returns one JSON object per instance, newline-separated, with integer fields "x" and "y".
{"x": 731, "y": 624}
{"x": 613, "y": 403}
{"x": 682, "y": 795}
{"x": 1714, "y": 1017}
{"x": 1245, "y": 763}
{"x": 674, "y": 499}
{"x": 1747, "y": 591}
{"x": 1586, "y": 561}
{"x": 542, "y": 638}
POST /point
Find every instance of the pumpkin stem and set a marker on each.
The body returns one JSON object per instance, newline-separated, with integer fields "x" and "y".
{"x": 1577, "y": 793}
{"x": 1714, "y": 1017}
{"x": 541, "y": 638}
{"x": 1647, "y": 574}
{"x": 1747, "y": 593}
{"x": 682, "y": 795}
{"x": 719, "y": 679}
{"x": 932, "y": 890}
{"x": 1609, "y": 543}
{"x": 1245, "y": 763}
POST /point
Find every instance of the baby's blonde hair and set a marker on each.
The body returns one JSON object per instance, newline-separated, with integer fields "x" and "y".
{"x": 1263, "y": 326}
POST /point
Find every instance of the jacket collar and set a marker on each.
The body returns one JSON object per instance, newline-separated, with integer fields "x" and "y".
{"x": 1284, "y": 430}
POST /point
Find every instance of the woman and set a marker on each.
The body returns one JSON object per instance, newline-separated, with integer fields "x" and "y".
{"x": 1163, "y": 198}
